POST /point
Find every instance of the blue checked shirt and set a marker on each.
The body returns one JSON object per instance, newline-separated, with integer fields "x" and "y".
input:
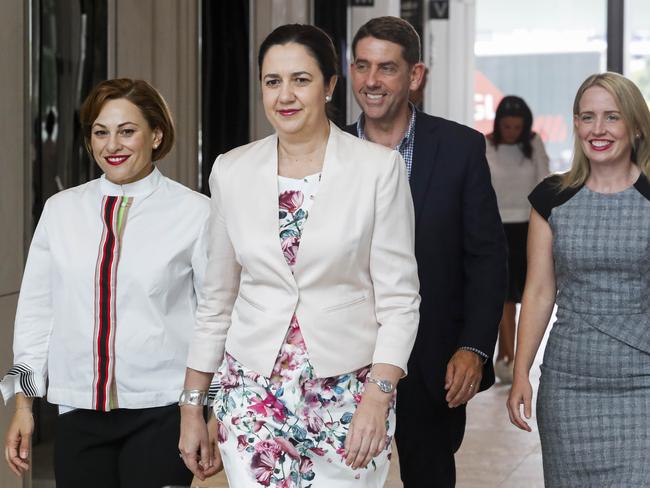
{"x": 405, "y": 148}
{"x": 406, "y": 145}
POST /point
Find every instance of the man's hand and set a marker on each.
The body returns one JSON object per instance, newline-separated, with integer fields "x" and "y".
{"x": 464, "y": 373}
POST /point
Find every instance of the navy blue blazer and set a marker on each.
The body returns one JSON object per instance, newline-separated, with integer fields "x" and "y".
{"x": 459, "y": 246}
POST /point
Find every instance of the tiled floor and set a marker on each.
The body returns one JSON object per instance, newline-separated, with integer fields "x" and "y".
{"x": 494, "y": 453}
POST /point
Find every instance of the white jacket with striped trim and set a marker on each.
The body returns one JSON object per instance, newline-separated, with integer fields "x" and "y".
{"x": 107, "y": 303}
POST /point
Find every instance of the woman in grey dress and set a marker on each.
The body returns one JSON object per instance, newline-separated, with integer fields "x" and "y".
{"x": 589, "y": 253}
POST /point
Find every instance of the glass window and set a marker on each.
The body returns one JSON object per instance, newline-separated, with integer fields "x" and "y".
{"x": 69, "y": 55}
{"x": 637, "y": 44}
{"x": 540, "y": 51}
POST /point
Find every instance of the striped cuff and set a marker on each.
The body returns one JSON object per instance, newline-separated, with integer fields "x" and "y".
{"x": 213, "y": 390}
{"x": 25, "y": 377}
{"x": 483, "y": 356}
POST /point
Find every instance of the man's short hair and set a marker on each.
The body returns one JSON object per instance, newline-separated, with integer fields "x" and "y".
{"x": 391, "y": 29}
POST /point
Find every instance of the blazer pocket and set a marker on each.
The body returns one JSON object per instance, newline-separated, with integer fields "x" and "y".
{"x": 252, "y": 303}
{"x": 347, "y": 304}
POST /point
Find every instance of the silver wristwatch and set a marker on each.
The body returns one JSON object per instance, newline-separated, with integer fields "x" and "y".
{"x": 384, "y": 385}
{"x": 198, "y": 398}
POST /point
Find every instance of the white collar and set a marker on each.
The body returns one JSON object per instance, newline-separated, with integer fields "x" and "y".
{"x": 142, "y": 187}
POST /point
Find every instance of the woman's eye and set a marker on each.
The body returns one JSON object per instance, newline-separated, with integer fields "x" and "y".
{"x": 100, "y": 133}
{"x": 302, "y": 81}
{"x": 586, "y": 118}
{"x": 272, "y": 83}
{"x": 613, "y": 117}
{"x": 127, "y": 132}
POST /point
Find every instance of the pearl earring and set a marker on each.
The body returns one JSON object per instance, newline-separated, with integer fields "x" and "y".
{"x": 328, "y": 98}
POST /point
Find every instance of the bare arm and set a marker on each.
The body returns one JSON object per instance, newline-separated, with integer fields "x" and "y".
{"x": 366, "y": 436}
{"x": 200, "y": 455}
{"x": 537, "y": 307}
{"x": 19, "y": 435}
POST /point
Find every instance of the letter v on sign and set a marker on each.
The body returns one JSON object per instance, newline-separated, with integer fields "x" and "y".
{"x": 438, "y": 9}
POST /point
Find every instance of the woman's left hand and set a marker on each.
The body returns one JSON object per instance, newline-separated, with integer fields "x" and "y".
{"x": 367, "y": 433}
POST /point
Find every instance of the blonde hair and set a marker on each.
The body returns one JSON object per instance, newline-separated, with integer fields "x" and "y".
{"x": 635, "y": 114}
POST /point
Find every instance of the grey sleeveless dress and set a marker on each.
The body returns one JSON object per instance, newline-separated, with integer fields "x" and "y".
{"x": 593, "y": 405}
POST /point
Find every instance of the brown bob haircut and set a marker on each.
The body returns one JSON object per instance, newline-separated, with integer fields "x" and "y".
{"x": 139, "y": 93}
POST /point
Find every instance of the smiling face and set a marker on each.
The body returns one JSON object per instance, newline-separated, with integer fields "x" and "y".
{"x": 600, "y": 128}
{"x": 382, "y": 79}
{"x": 294, "y": 90}
{"x": 122, "y": 142}
{"x": 511, "y": 128}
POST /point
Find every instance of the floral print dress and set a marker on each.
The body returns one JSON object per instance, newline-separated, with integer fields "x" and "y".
{"x": 289, "y": 430}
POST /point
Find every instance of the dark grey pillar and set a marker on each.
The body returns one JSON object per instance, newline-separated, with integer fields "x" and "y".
{"x": 615, "y": 35}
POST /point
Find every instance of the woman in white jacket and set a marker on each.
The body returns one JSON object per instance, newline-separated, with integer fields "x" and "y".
{"x": 107, "y": 303}
{"x": 310, "y": 304}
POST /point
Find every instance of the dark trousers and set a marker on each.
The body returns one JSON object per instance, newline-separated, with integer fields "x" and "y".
{"x": 119, "y": 449}
{"x": 428, "y": 434}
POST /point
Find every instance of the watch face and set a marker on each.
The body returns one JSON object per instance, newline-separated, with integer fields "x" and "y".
{"x": 385, "y": 386}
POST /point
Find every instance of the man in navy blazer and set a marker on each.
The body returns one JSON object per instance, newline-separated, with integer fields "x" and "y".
{"x": 459, "y": 246}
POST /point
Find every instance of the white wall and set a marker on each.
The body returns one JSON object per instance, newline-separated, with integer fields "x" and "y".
{"x": 448, "y": 51}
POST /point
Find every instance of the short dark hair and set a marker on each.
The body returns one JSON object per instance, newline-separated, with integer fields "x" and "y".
{"x": 513, "y": 106}
{"x": 139, "y": 93}
{"x": 391, "y": 29}
{"x": 315, "y": 40}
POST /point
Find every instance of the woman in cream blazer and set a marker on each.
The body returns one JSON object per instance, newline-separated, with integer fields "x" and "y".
{"x": 315, "y": 313}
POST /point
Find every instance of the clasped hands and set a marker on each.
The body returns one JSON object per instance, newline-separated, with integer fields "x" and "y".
{"x": 366, "y": 436}
{"x": 198, "y": 445}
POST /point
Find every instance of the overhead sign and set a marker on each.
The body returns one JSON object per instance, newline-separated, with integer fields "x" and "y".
{"x": 438, "y": 9}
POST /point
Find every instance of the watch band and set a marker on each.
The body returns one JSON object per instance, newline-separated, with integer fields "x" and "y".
{"x": 197, "y": 398}
{"x": 384, "y": 385}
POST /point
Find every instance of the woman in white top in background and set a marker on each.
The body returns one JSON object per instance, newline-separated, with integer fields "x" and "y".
{"x": 107, "y": 303}
{"x": 518, "y": 162}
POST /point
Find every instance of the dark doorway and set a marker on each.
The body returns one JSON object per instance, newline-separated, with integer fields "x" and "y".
{"x": 332, "y": 17}
{"x": 224, "y": 81}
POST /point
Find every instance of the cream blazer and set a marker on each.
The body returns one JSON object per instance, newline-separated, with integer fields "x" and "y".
{"x": 354, "y": 288}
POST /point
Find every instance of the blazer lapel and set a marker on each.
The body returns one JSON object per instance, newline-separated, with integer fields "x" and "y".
{"x": 263, "y": 189}
{"x": 424, "y": 161}
{"x": 324, "y": 207}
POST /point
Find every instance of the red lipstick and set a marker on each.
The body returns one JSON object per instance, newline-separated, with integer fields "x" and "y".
{"x": 116, "y": 160}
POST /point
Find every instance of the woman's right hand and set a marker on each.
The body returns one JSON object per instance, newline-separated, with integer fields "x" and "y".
{"x": 521, "y": 393}
{"x": 17, "y": 442}
{"x": 194, "y": 445}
